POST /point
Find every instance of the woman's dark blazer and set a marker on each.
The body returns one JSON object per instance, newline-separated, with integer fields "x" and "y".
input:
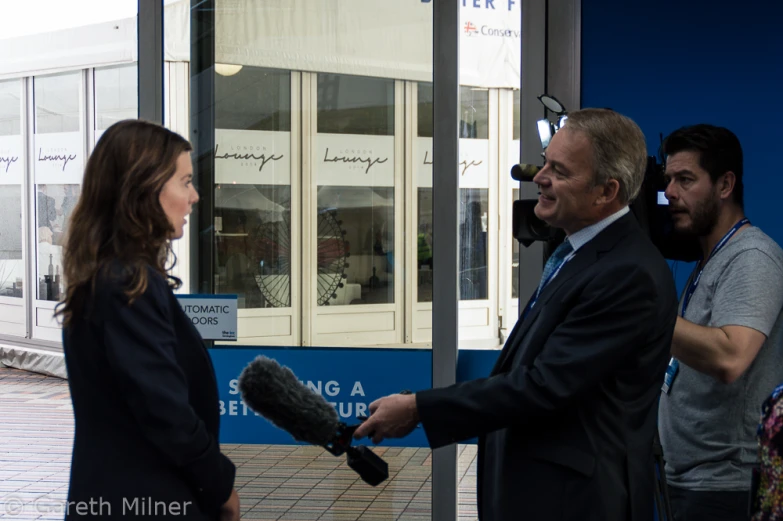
{"x": 146, "y": 409}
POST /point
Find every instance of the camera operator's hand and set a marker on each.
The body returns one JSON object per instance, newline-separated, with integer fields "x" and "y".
{"x": 230, "y": 509}
{"x": 394, "y": 416}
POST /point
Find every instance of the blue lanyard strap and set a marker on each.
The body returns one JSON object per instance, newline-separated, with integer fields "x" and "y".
{"x": 695, "y": 279}
{"x": 552, "y": 276}
{"x": 534, "y": 298}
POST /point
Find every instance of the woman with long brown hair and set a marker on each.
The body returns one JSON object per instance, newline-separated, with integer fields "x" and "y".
{"x": 144, "y": 392}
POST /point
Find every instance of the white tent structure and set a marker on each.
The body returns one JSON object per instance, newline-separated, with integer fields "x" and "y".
{"x": 360, "y": 37}
{"x": 388, "y": 174}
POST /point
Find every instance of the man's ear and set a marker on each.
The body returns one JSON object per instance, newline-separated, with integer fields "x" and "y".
{"x": 726, "y": 183}
{"x": 609, "y": 192}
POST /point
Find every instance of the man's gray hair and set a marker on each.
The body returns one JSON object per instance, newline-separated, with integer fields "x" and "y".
{"x": 619, "y": 148}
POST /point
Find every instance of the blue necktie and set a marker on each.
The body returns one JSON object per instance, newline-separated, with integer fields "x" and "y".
{"x": 554, "y": 262}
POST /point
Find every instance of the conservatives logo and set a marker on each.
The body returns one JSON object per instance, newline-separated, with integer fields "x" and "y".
{"x": 485, "y": 30}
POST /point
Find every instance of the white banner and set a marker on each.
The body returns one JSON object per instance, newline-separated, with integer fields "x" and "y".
{"x": 252, "y": 157}
{"x": 11, "y": 160}
{"x": 354, "y": 160}
{"x": 59, "y": 158}
{"x": 490, "y": 43}
{"x": 473, "y": 162}
{"x": 368, "y": 38}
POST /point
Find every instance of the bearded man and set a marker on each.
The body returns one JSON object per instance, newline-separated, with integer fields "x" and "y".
{"x": 727, "y": 353}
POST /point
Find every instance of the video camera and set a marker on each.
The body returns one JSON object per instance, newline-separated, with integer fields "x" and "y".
{"x": 650, "y": 207}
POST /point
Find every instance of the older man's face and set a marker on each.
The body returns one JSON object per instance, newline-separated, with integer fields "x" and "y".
{"x": 567, "y": 183}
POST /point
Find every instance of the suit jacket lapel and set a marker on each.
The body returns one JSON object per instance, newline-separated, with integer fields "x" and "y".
{"x": 582, "y": 260}
{"x": 586, "y": 256}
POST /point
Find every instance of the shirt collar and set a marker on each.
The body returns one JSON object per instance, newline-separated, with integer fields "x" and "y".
{"x": 588, "y": 233}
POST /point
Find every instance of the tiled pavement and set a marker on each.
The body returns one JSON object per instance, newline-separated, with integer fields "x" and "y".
{"x": 273, "y": 481}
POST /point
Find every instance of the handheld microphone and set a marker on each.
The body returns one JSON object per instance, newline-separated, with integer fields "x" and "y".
{"x": 275, "y": 393}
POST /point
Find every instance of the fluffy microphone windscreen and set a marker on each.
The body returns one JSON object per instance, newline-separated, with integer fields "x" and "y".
{"x": 275, "y": 393}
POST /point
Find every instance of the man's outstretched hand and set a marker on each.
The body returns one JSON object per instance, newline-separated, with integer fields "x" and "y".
{"x": 394, "y": 416}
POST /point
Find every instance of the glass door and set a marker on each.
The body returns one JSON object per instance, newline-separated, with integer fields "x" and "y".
{"x": 355, "y": 238}
{"x": 308, "y": 225}
{"x": 12, "y": 161}
{"x": 508, "y": 295}
{"x": 478, "y": 224}
{"x": 58, "y": 163}
{"x": 256, "y": 155}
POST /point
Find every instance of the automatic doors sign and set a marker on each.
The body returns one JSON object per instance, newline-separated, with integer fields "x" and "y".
{"x": 215, "y": 316}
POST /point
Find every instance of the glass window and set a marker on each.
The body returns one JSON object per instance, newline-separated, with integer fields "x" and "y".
{"x": 355, "y": 176}
{"x": 57, "y": 103}
{"x": 253, "y": 186}
{"x": 423, "y": 161}
{"x": 10, "y": 108}
{"x": 424, "y": 245}
{"x": 340, "y": 227}
{"x": 474, "y": 113}
{"x": 252, "y": 98}
{"x": 474, "y": 193}
{"x": 11, "y": 176}
{"x": 55, "y": 205}
{"x": 59, "y": 163}
{"x": 472, "y": 243}
{"x": 355, "y": 105}
{"x": 116, "y": 95}
{"x": 474, "y": 197}
{"x": 425, "y": 110}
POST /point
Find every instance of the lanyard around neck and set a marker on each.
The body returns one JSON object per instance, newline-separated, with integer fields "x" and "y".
{"x": 695, "y": 280}
{"x": 534, "y": 298}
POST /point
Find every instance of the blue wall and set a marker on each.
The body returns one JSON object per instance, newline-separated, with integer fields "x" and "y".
{"x": 670, "y": 63}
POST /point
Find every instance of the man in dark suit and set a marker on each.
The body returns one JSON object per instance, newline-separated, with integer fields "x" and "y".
{"x": 566, "y": 419}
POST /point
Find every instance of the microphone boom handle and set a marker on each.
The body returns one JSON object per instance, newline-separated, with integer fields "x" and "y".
{"x": 370, "y": 467}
